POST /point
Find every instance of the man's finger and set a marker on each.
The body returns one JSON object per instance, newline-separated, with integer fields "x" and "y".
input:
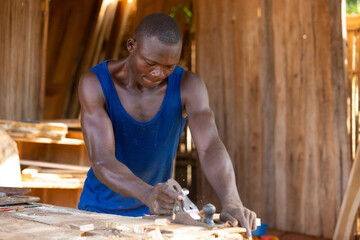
{"x": 226, "y": 217}
{"x": 244, "y": 223}
{"x": 253, "y": 226}
{"x": 171, "y": 193}
{"x": 167, "y": 206}
{"x": 163, "y": 211}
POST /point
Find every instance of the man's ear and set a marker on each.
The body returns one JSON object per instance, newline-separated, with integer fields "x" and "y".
{"x": 131, "y": 44}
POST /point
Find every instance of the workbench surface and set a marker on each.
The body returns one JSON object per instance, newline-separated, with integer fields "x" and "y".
{"x": 52, "y": 222}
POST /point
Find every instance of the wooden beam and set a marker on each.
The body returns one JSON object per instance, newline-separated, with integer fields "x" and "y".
{"x": 350, "y": 204}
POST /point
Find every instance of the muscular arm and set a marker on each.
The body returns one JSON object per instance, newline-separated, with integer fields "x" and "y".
{"x": 99, "y": 139}
{"x": 214, "y": 159}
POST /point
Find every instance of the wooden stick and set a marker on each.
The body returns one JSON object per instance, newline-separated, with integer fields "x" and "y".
{"x": 350, "y": 203}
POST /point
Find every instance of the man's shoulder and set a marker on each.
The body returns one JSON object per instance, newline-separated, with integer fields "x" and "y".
{"x": 89, "y": 85}
{"x": 89, "y": 77}
{"x": 190, "y": 79}
{"x": 191, "y": 87}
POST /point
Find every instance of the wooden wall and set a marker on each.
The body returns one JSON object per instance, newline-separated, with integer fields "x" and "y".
{"x": 276, "y": 78}
{"x": 146, "y": 7}
{"x": 70, "y": 25}
{"x": 21, "y": 69}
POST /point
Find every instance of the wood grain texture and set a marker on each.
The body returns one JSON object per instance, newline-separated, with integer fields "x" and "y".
{"x": 21, "y": 23}
{"x": 70, "y": 24}
{"x": 275, "y": 74}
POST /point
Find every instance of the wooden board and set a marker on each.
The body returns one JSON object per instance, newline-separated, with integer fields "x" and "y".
{"x": 68, "y": 223}
{"x": 21, "y": 46}
{"x": 11, "y": 200}
{"x": 12, "y": 228}
{"x": 14, "y": 191}
{"x": 350, "y": 204}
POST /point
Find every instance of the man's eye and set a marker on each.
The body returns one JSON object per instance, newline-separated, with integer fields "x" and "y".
{"x": 150, "y": 64}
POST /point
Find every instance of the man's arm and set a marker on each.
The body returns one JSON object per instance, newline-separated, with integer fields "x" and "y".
{"x": 214, "y": 159}
{"x": 99, "y": 139}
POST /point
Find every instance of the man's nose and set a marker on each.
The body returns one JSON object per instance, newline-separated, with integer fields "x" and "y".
{"x": 158, "y": 73}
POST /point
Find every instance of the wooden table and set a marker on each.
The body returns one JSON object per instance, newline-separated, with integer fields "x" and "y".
{"x": 52, "y": 222}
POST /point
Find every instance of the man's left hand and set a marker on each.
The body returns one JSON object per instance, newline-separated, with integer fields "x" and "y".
{"x": 236, "y": 213}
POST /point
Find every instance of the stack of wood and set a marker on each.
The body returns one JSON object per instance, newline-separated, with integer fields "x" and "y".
{"x": 55, "y": 131}
{"x": 14, "y": 199}
{"x": 53, "y": 175}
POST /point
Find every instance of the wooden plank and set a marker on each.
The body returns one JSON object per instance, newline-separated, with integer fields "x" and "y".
{"x": 53, "y": 165}
{"x": 20, "y": 68}
{"x": 11, "y": 200}
{"x": 69, "y": 25}
{"x": 10, "y": 230}
{"x": 350, "y": 204}
{"x": 14, "y": 191}
{"x": 310, "y": 187}
{"x": 63, "y": 141}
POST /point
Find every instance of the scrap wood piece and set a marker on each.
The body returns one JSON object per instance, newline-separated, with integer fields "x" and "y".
{"x": 162, "y": 221}
{"x": 16, "y": 208}
{"x": 18, "y": 200}
{"x": 81, "y": 227}
{"x": 155, "y": 234}
{"x": 10, "y": 191}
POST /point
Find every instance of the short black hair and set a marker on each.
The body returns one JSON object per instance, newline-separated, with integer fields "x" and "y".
{"x": 161, "y": 25}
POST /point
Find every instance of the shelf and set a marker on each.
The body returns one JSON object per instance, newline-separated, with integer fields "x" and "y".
{"x": 53, "y": 185}
{"x": 64, "y": 141}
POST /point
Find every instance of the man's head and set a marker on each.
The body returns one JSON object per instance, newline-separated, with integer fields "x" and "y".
{"x": 160, "y": 25}
{"x": 155, "y": 50}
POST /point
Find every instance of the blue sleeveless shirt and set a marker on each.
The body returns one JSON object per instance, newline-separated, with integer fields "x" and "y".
{"x": 146, "y": 148}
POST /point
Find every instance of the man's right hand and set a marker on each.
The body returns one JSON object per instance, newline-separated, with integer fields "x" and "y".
{"x": 161, "y": 199}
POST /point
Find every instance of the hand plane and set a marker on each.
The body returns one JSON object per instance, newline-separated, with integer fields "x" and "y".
{"x": 186, "y": 212}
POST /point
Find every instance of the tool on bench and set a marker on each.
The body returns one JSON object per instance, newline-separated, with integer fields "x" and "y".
{"x": 185, "y": 205}
{"x": 186, "y": 212}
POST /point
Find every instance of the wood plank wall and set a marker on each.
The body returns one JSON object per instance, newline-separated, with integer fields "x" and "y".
{"x": 146, "y": 7}
{"x": 70, "y": 25}
{"x": 276, "y": 79}
{"x": 353, "y": 77}
{"x": 21, "y": 46}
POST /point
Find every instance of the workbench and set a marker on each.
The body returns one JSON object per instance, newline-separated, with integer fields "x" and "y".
{"x": 53, "y": 222}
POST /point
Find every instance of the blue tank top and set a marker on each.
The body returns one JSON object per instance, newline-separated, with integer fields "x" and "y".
{"x": 146, "y": 148}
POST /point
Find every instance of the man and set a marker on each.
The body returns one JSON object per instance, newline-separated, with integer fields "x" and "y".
{"x": 133, "y": 112}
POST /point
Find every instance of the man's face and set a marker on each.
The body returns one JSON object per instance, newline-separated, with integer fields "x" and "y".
{"x": 153, "y": 61}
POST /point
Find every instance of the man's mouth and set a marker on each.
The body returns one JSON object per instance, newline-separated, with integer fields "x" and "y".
{"x": 152, "y": 81}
